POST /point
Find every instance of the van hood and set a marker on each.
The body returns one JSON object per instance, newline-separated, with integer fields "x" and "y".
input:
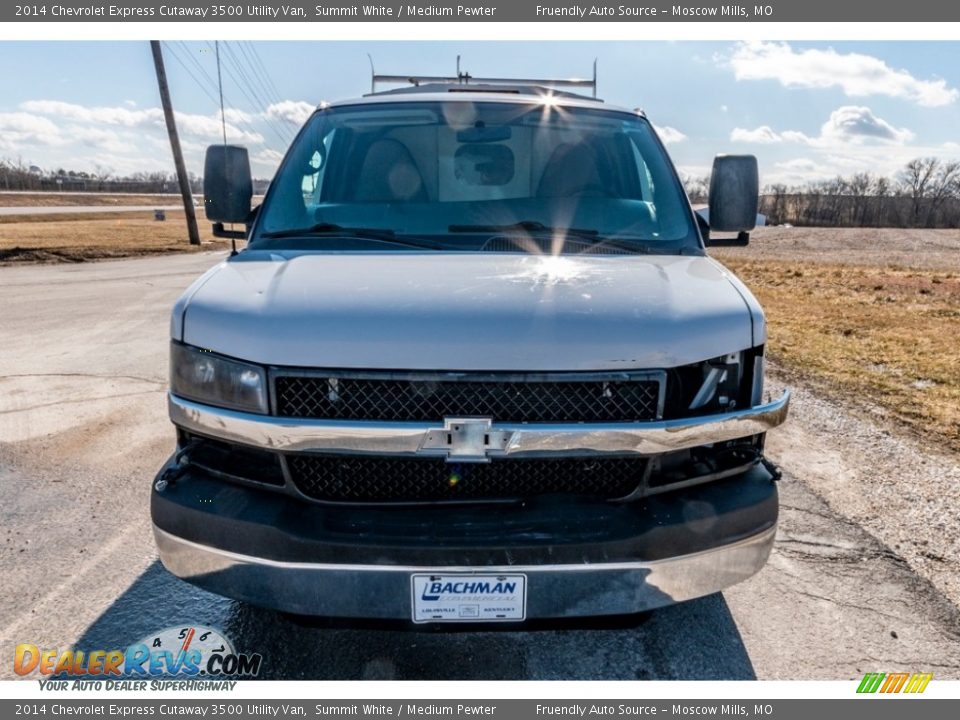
{"x": 467, "y": 311}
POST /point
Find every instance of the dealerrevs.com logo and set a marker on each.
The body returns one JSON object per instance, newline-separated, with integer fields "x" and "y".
{"x": 888, "y": 683}
{"x": 191, "y": 652}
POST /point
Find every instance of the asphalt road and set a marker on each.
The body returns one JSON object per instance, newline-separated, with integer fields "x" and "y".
{"x": 83, "y": 354}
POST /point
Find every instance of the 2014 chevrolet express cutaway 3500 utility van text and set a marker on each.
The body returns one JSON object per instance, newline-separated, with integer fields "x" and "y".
{"x": 473, "y": 365}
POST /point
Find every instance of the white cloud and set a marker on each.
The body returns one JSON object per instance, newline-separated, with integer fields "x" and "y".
{"x": 233, "y": 115}
{"x": 798, "y": 171}
{"x": 850, "y": 124}
{"x": 125, "y": 138}
{"x": 859, "y": 124}
{"x": 294, "y": 112}
{"x": 694, "y": 170}
{"x": 20, "y": 129}
{"x": 858, "y": 75}
{"x": 200, "y": 125}
{"x": 266, "y": 160}
{"x": 268, "y": 155}
{"x": 763, "y": 135}
{"x": 210, "y": 127}
{"x": 27, "y": 124}
{"x": 104, "y": 115}
{"x": 669, "y": 134}
{"x": 798, "y": 164}
{"x": 853, "y": 139}
{"x": 101, "y": 139}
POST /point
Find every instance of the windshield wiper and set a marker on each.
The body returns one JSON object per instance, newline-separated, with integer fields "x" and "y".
{"x": 334, "y": 230}
{"x": 526, "y": 226}
{"x": 534, "y": 226}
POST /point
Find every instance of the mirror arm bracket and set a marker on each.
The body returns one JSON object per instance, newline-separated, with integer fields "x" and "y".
{"x": 741, "y": 240}
{"x": 220, "y": 232}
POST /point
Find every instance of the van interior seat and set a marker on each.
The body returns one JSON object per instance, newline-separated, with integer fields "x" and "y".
{"x": 573, "y": 170}
{"x": 389, "y": 174}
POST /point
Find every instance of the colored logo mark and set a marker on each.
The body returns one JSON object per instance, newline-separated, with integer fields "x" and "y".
{"x": 894, "y": 682}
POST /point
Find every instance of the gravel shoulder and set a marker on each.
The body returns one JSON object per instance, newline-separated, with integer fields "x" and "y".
{"x": 869, "y": 466}
{"x": 901, "y": 489}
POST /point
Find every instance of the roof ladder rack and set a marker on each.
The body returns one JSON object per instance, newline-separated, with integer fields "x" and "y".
{"x": 465, "y": 78}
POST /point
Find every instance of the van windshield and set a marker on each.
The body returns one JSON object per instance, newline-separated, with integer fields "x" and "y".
{"x": 459, "y": 174}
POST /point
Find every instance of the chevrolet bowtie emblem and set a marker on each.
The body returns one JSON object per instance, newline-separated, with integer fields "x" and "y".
{"x": 466, "y": 440}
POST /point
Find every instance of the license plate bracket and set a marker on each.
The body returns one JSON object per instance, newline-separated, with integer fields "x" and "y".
{"x": 468, "y": 597}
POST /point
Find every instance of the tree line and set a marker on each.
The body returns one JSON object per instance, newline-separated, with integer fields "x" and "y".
{"x": 925, "y": 193}
{"x": 15, "y": 175}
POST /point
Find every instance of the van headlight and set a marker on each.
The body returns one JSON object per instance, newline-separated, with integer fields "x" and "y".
{"x": 202, "y": 376}
{"x": 720, "y": 387}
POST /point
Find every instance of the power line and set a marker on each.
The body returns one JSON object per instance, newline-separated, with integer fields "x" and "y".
{"x": 189, "y": 54}
{"x": 263, "y": 69}
{"x": 223, "y": 114}
{"x": 189, "y": 72}
{"x": 253, "y": 103}
{"x": 239, "y": 121}
{"x": 176, "y": 55}
{"x": 248, "y": 85}
{"x": 288, "y": 131}
{"x": 262, "y": 80}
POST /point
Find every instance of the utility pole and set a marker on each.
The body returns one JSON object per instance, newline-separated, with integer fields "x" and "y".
{"x": 182, "y": 178}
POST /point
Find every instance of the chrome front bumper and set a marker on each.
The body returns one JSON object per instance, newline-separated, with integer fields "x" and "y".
{"x": 383, "y": 591}
{"x": 514, "y": 439}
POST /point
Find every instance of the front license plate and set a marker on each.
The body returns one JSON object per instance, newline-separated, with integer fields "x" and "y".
{"x": 469, "y": 598}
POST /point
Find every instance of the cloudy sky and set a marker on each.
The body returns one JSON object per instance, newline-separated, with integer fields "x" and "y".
{"x": 807, "y": 110}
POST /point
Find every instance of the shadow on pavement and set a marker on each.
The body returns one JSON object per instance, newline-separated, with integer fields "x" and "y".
{"x": 694, "y": 640}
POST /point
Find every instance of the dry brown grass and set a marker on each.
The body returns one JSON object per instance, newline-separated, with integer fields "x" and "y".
{"x": 889, "y": 335}
{"x": 879, "y": 247}
{"x": 76, "y": 238}
{"x": 51, "y": 199}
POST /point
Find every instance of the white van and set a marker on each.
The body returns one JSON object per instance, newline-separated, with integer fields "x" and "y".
{"x": 474, "y": 364}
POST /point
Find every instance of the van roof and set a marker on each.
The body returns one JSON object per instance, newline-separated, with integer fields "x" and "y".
{"x": 458, "y": 92}
{"x": 506, "y": 88}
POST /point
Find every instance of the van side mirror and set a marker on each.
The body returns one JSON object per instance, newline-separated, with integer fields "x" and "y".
{"x": 734, "y": 197}
{"x": 227, "y": 186}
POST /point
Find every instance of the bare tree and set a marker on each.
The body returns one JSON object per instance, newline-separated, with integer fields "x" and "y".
{"x": 880, "y": 191}
{"x": 944, "y": 185}
{"x": 697, "y": 187}
{"x": 924, "y": 193}
{"x": 858, "y": 187}
{"x": 915, "y": 179}
{"x": 777, "y": 211}
{"x": 102, "y": 174}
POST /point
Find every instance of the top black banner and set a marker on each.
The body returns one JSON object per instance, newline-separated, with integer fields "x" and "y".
{"x": 490, "y": 11}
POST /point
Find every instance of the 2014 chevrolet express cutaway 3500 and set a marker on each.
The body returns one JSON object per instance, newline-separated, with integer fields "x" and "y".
{"x": 473, "y": 365}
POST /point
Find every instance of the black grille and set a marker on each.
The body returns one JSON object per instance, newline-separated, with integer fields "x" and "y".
{"x": 338, "y": 478}
{"x": 588, "y": 401}
{"x": 232, "y": 461}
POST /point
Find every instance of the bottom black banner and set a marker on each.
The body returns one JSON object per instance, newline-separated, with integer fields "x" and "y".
{"x": 873, "y": 706}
